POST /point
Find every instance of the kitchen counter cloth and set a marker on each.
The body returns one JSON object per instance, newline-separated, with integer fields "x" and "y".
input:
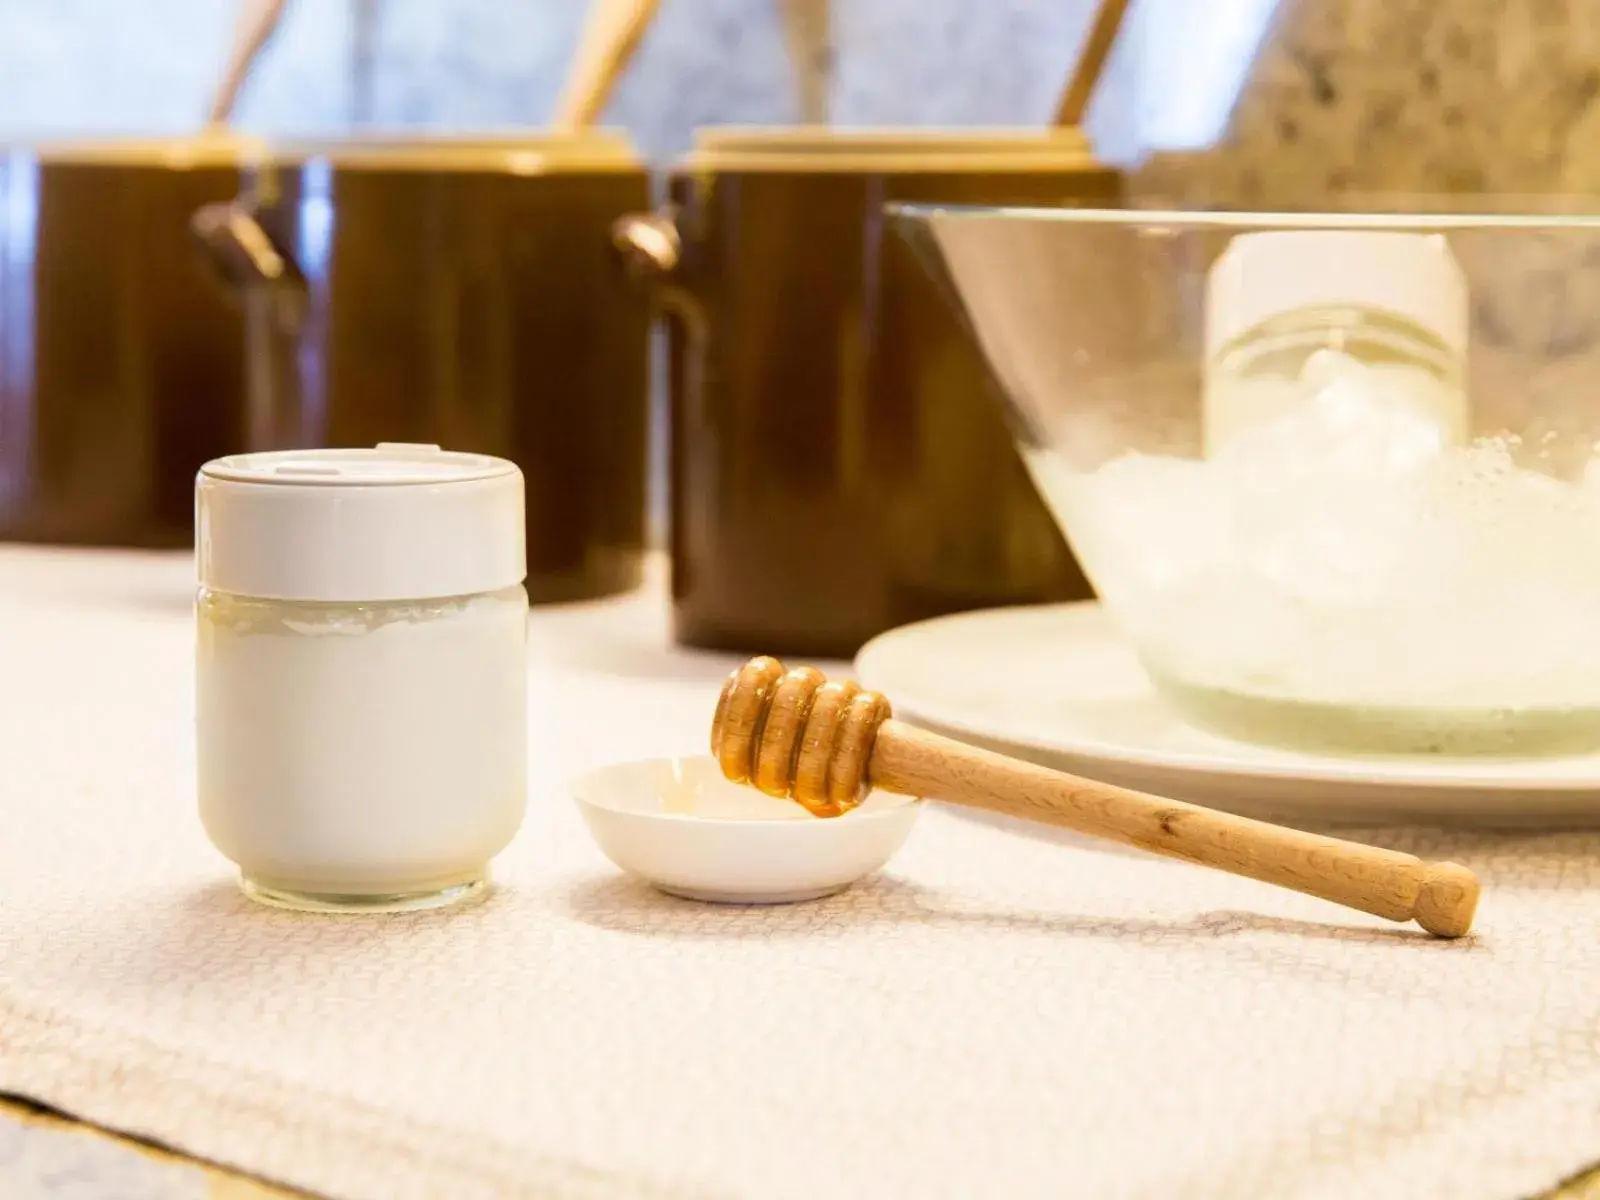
{"x": 998, "y": 1015}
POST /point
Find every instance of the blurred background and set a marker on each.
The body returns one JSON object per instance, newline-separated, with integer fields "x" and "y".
{"x": 71, "y": 66}
{"x": 472, "y": 307}
{"x": 1289, "y": 97}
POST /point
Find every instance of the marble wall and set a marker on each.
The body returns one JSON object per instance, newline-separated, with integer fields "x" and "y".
{"x": 1496, "y": 98}
{"x": 1340, "y": 95}
{"x": 73, "y": 66}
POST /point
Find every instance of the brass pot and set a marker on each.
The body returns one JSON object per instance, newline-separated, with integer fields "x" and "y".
{"x": 119, "y": 371}
{"x": 838, "y": 465}
{"x": 463, "y": 293}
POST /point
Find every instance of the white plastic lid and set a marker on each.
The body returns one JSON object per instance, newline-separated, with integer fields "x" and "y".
{"x": 398, "y": 522}
{"x": 1411, "y": 275}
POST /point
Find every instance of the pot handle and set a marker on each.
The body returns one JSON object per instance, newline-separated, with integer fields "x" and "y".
{"x": 650, "y": 245}
{"x": 246, "y": 257}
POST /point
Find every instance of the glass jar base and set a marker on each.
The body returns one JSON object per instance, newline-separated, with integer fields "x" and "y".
{"x": 275, "y": 896}
{"x": 1327, "y": 727}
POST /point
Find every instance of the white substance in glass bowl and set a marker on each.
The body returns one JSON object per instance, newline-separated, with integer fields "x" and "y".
{"x": 1341, "y": 576}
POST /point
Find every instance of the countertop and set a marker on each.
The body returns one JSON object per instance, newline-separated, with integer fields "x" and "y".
{"x": 50, "y": 1156}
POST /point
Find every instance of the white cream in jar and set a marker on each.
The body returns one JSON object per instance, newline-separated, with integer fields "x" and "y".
{"x": 361, "y": 673}
{"x": 1285, "y": 307}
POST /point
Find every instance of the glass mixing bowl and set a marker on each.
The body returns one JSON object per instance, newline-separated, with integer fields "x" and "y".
{"x": 1338, "y": 496}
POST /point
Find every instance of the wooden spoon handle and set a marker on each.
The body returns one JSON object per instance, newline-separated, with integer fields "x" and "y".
{"x": 806, "y": 27}
{"x": 1073, "y": 103}
{"x": 611, "y": 35}
{"x": 791, "y": 733}
{"x": 257, "y": 22}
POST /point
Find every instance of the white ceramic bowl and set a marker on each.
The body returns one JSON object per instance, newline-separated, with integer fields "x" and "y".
{"x": 677, "y": 823}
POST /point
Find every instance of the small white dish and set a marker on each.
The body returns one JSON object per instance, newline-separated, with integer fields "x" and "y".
{"x": 677, "y": 823}
{"x": 1057, "y": 686}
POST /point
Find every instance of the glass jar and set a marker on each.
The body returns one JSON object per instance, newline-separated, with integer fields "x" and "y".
{"x": 1347, "y": 319}
{"x": 361, "y": 673}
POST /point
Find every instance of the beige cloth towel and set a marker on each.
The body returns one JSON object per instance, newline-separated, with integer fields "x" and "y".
{"x": 997, "y": 1016}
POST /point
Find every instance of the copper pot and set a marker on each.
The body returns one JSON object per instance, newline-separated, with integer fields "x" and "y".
{"x": 838, "y": 464}
{"x": 463, "y": 293}
{"x": 119, "y": 371}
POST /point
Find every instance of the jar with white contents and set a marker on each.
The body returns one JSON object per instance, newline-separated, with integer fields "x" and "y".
{"x": 1337, "y": 326}
{"x": 361, "y": 683}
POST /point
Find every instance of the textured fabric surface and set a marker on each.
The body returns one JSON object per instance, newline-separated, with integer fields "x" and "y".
{"x": 998, "y": 1014}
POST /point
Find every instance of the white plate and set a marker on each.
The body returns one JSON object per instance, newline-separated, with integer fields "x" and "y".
{"x": 1055, "y": 685}
{"x": 680, "y": 825}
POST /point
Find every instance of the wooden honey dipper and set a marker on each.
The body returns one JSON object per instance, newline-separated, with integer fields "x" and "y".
{"x": 794, "y": 735}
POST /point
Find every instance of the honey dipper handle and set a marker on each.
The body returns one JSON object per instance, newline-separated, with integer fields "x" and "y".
{"x": 1441, "y": 897}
